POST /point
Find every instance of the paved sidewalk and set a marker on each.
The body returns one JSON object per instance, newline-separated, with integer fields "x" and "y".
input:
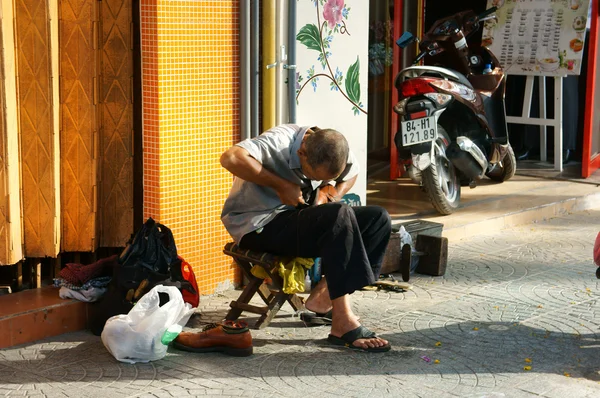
{"x": 523, "y": 294}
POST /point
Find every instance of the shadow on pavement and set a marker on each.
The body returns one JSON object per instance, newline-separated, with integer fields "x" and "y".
{"x": 464, "y": 348}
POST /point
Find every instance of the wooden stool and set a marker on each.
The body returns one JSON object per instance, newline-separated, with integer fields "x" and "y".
{"x": 273, "y": 298}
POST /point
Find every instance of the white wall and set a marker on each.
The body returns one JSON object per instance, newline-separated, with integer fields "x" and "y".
{"x": 323, "y": 106}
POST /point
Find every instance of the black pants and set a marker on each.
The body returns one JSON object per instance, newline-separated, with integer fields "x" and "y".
{"x": 350, "y": 241}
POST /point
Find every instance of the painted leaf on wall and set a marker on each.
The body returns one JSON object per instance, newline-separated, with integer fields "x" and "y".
{"x": 310, "y": 37}
{"x": 352, "y": 83}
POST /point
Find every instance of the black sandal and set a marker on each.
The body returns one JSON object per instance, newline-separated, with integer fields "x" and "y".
{"x": 360, "y": 332}
{"x": 315, "y": 318}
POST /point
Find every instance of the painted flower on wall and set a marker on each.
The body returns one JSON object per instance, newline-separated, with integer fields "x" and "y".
{"x": 319, "y": 38}
{"x": 332, "y": 12}
{"x": 335, "y": 84}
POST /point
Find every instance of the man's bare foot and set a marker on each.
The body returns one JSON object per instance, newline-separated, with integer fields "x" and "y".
{"x": 344, "y": 321}
{"x": 318, "y": 301}
{"x": 344, "y": 324}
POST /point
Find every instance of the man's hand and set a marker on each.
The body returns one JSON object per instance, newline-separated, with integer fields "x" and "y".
{"x": 289, "y": 193}
{"x": 239, "y": 162}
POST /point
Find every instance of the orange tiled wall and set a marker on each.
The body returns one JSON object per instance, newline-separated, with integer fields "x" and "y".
{"x": 190, "y": 62}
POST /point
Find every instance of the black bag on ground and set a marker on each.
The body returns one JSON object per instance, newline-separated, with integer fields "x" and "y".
{"x": 151, "y": 256}
{"x": 153, "y": 247}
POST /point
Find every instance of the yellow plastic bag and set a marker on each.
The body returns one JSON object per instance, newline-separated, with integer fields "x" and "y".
{"x": 259, "y": 272}
{"x": 293, "y": 274}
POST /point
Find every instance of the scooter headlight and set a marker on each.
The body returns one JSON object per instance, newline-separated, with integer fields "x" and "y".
{"x": 440, "y": 99}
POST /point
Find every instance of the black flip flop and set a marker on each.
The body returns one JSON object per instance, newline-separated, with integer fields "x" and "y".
{"x": 315, "y": 318}
{"x": 360, "y": 332}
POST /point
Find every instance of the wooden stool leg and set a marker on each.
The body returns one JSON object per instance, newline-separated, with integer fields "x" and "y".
{"x": 265, "y": 293}
{"x": 241, "y": 304}
{"x": 273, "y": 296}
{"x": 296, "y": 302}
{"x": 274, "y": 307}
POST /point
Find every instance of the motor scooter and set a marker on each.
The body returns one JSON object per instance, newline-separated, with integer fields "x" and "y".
{"x": 452, "y": 114}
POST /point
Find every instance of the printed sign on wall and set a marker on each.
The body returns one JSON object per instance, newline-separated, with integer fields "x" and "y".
{"x": 538, "y": 37}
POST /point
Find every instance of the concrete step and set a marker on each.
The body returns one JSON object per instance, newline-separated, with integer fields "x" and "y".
{"x": 527, "y": 206}
{"x": 35, "y": 314}
{"x": 490, "y": 206}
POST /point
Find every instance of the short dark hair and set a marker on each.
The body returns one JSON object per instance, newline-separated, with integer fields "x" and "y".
{"x": 327, "y": 148}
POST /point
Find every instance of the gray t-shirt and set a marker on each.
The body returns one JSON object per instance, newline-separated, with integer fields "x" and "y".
{"x": 250, "y": 206}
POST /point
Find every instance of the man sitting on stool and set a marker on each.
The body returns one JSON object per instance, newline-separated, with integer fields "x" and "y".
{"x": 267, "y": 211}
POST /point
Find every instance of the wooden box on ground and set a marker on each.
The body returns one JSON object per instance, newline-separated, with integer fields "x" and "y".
{"x": 391, "y": 261}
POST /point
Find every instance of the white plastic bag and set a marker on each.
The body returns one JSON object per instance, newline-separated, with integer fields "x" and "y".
{"x": 405, "y": 238}
{"x": 138, "y": 336}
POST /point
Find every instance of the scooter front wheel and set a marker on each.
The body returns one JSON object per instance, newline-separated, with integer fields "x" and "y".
{"x": 440, "y": 179}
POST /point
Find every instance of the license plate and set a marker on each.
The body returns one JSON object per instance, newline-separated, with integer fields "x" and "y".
{"x": 419, "y": 130}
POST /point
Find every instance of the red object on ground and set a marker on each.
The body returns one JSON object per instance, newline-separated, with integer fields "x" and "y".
{"x": 188, "y": 275}
{"x": 597, "y": 251}
{"x": 78, "y": 274}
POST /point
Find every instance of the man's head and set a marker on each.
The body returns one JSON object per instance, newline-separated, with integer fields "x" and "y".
{"x": 323, "y": 154}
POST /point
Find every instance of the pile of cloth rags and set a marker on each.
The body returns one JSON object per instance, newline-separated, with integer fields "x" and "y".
{"x": 292, "y": 272}
{"x": 86, "y": 283}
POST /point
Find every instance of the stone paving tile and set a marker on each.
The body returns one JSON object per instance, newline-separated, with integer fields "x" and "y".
{"x": 20, "y": 382}
{"x": 60, "y": 350}
{"x": 526, "y": 293}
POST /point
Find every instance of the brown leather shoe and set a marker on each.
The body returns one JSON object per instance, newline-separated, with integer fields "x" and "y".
{"x": 231, "y": 338}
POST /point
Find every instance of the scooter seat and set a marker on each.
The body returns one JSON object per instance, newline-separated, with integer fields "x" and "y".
{"x": 450, "y": 74}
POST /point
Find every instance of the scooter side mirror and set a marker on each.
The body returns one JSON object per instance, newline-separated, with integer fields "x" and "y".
{"x": 406, "y": 39}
